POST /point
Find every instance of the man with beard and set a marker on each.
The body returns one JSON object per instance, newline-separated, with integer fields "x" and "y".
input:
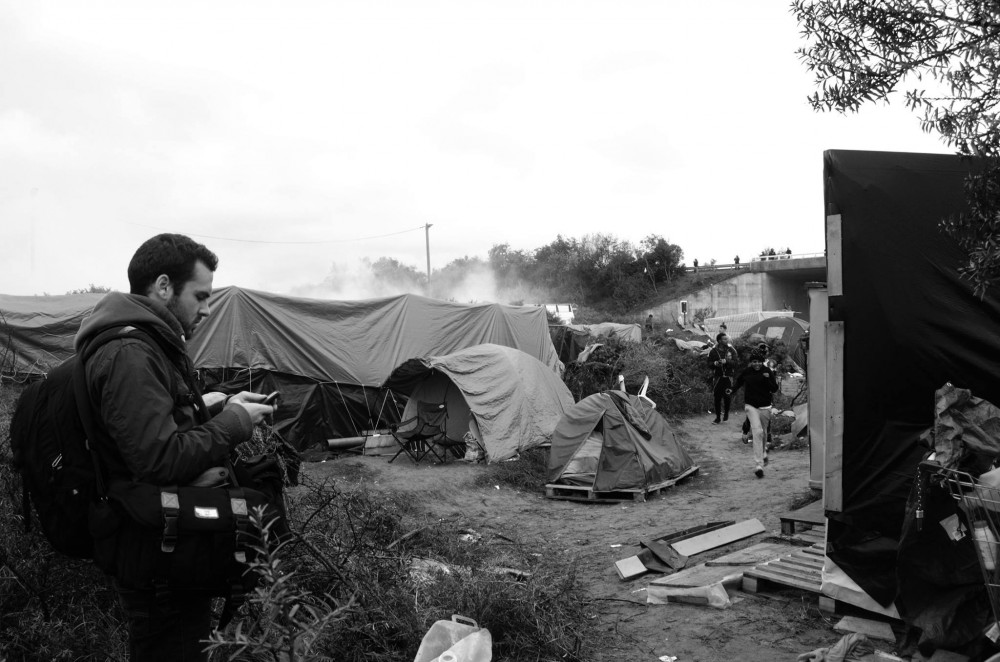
{"x": 154, "y": 425}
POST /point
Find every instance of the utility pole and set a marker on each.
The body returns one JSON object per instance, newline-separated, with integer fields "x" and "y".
{"x": 427, "y": 237}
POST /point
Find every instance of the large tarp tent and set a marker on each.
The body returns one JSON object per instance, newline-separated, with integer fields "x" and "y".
{"x": 515, "y": 398}
{"x": 788, "y": 330}
{"x": 37, "y": 332}
{"x": 330, "y": 358}
{"x": 892, "y": 269}
{"x": 615, "y": 441}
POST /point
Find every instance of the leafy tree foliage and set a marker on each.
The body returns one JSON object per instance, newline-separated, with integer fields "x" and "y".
{"x": 863, "y": 50}
{"x": 394, "y": 275}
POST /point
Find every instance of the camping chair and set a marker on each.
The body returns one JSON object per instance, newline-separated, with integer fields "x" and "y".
{"x": 418, "y": 435}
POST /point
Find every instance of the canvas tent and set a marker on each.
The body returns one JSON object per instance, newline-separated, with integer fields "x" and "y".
{"x": 736, "y": 325}
{"x": 892, "y": 268}
{"x": 571, "y": 339}
{"x": 37, "y": 332}
{"x": 788, "y": 330}
{"x": 614, "y": 441}
{"x": 515, "y": 399}
{"x": 330, "y": 358}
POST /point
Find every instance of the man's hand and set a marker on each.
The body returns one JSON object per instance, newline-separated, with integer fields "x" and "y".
{"x": 257, "y": 412}
{"x": 251, "y": 402}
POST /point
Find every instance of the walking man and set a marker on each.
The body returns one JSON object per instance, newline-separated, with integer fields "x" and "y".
{"x": 760, "y": 383}
{"x": 722, "y": 359}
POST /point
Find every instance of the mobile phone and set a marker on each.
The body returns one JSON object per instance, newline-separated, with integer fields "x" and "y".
{"x": 271, "y": 398}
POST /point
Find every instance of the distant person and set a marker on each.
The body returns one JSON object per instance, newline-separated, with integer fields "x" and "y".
{"x": 649, "y": 323}
{"x": 722, "y": 359}
{"x": 788, "y": 252}
{"x": 696, "y": 265}
{"x": 760, "y": 383}
{"x": 736, "y": 261}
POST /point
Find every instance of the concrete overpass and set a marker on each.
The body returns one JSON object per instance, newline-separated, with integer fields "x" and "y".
{"x": 774, "y": 282}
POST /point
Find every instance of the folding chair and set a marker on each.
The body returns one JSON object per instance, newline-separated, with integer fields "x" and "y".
{"x": 418, "y": 435}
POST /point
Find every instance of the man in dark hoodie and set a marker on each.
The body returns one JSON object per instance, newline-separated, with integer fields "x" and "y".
{"x": 157, "y": 428}
{"x": 722, "y": 360}
{"x": 760, "y": 383}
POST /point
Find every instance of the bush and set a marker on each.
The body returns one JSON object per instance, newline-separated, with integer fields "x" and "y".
{"x": 679, "y": 382}
{"x": 343, "y": 587}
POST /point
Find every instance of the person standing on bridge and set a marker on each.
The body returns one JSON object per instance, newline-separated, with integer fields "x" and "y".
{"x": 736, "y": 261}
{"x": 722, "y": 358}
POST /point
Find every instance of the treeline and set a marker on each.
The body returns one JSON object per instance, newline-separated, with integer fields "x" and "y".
{"x": 595, "y": 270}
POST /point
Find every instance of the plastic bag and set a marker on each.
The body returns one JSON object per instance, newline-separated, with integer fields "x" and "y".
{"x": 458, "y": 640}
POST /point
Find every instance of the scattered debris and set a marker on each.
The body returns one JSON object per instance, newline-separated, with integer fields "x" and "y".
{"x": 713, "y": 595}
{"x": 871, "y": 628}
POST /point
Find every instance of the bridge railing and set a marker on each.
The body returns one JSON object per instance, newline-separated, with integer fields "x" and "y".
{"x": 785, "y": 256}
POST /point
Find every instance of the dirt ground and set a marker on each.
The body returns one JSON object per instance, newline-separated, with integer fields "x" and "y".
{"x": 774, "y": 625}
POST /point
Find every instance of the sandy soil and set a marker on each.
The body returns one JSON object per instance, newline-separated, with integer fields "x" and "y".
{"x": 756, "y": 628}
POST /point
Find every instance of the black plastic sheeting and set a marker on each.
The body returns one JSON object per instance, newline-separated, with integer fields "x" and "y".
{"x": 310, "y": 412}
{"x": 911, "y": 324}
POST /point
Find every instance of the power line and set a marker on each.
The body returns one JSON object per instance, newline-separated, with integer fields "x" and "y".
{"x": 264, "y": 241}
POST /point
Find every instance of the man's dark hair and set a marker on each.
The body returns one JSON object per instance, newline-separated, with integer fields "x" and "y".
{"x": 172, "y": 254}
{"x": 718, "y": 336}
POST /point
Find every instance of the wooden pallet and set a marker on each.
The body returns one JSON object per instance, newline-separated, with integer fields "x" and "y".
{"x": 810, "y": 515}
{"x": 584, "y": 493}
{"x": 801, "y": 569}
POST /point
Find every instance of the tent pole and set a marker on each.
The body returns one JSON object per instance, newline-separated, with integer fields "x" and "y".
{"x": 427, "y": 240}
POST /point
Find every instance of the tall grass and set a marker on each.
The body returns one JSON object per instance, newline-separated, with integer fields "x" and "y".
{"x": 344, "y": 587}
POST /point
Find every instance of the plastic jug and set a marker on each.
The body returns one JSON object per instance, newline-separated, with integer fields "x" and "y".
{"x": 458, "y": 640}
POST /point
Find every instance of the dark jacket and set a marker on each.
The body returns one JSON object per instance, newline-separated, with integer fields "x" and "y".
{"x": 760, "y": 384}
{"x": 143, "y": 403}
{"x": 728, "y": 352}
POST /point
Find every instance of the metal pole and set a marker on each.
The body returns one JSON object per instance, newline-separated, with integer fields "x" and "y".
{"x": 427, "y": 236}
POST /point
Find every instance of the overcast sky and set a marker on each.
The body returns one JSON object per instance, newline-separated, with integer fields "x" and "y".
{"x": 292, "y": 136}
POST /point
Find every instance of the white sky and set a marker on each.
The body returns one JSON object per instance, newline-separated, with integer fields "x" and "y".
{"x": 318, "y": 125}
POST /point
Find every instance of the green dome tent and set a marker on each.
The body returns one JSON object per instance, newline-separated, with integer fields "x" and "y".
{"x": 615, "y": 441}
{"x": 515, "y": 399}
{"x": 788, "y": 330}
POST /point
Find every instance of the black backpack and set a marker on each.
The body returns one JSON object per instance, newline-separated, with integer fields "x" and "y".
{"x": 58, "y": 472}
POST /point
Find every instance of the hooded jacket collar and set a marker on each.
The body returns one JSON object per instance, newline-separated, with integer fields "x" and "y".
{"x": 118, "y": 309}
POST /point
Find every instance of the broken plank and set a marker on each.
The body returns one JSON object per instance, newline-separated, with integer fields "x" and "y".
{"x": 870, "y": 628}
{"x": 665, "y": 553}
{"x": 719, "y": 537}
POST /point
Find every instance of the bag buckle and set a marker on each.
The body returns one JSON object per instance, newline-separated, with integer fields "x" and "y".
{"x": 170, "y": 502}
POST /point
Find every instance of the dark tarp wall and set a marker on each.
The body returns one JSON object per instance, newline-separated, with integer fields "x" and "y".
{"x": 911, "y": 323}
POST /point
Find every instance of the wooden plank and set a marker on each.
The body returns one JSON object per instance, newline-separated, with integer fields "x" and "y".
{"x": 630, "y": 568}
{"x": 754, "y": 554}
{"x": 833, "y": 464}
{"x": 684, "y": 534}
{"x": 587, "y": 492}
{"x": 810, "y": 514}
{"x": 834, "y": 256}
{"x": 702, "y": 575}
{"x": 866, "y": 626}
{"x": 791, "y": 572}
{"x": 719, "y": 537}
{"x": 777, "y": 578}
